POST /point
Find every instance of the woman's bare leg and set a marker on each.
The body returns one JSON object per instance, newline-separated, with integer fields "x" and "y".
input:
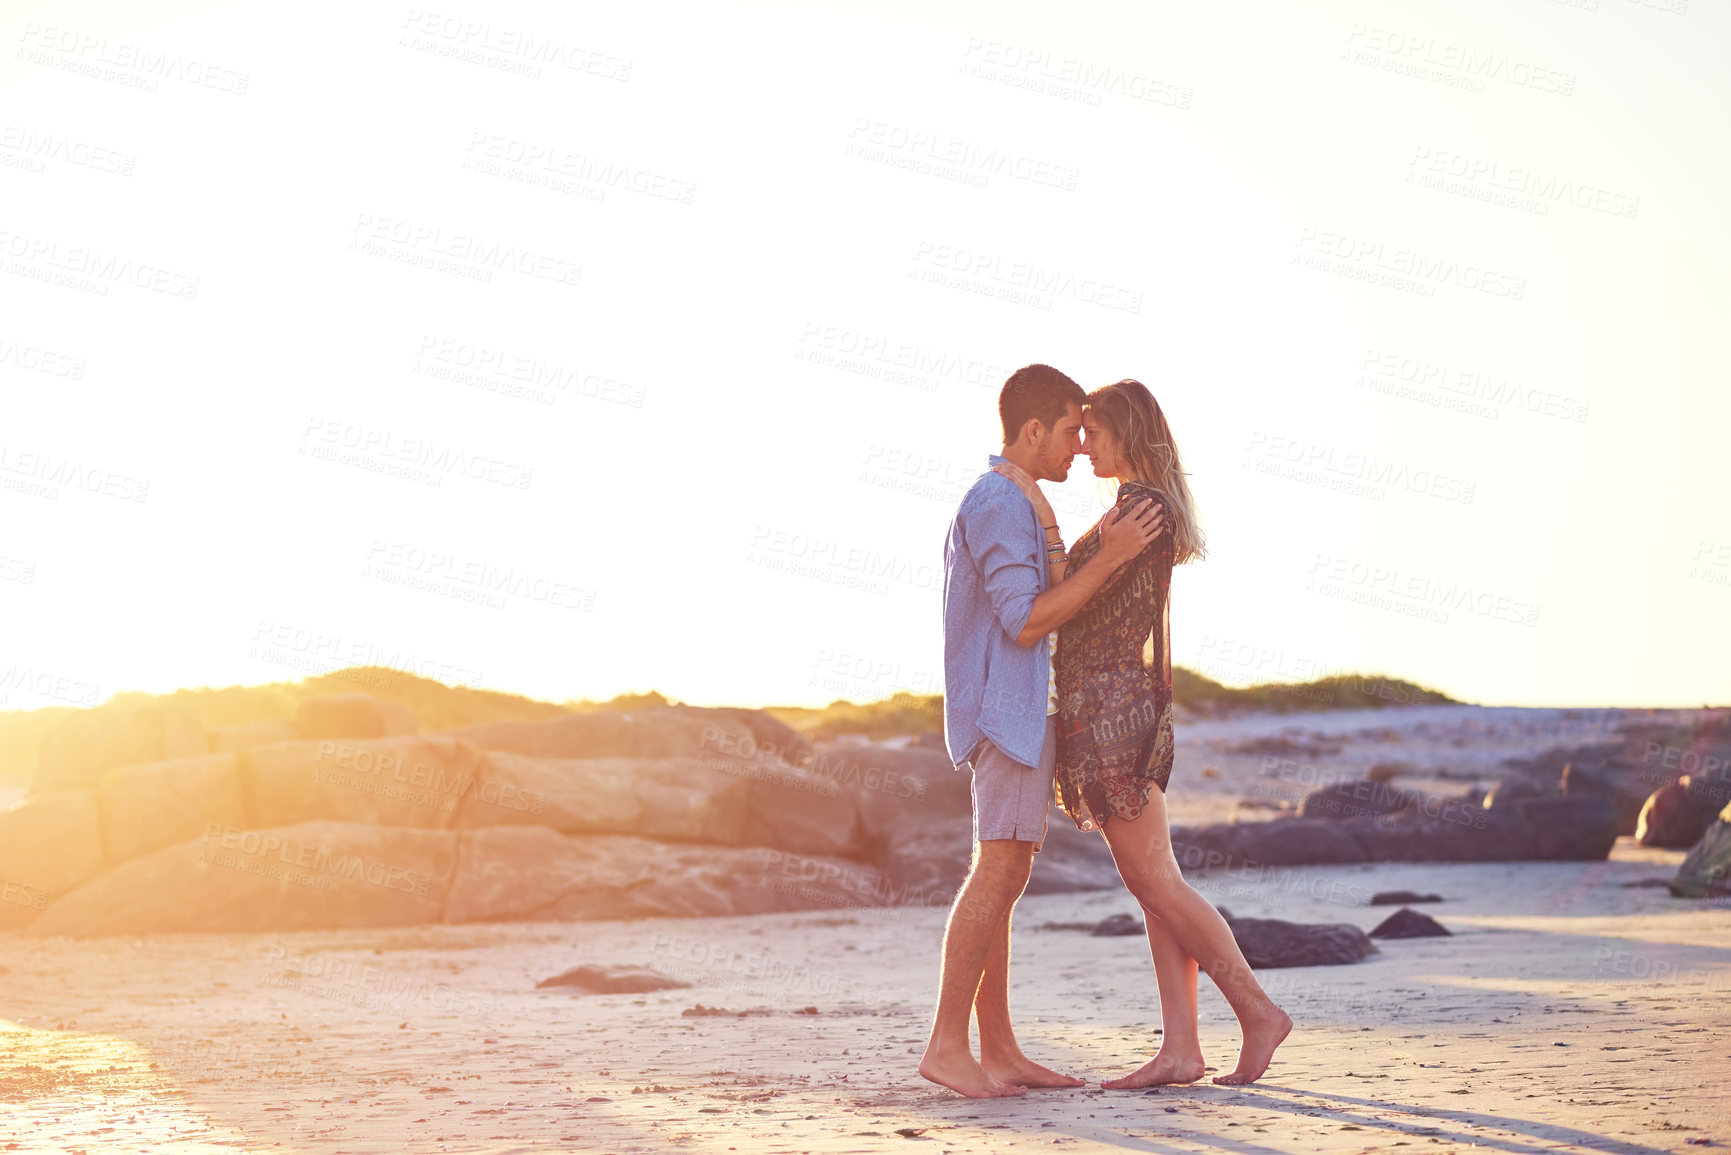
{"x": 1179, "y": 1059}
{"x": 1142, "y": 848}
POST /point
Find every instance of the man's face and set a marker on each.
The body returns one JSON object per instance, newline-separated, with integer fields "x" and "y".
{"x": 1062, "y": 442}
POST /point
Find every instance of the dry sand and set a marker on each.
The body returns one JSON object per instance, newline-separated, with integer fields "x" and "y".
{"x": 1568, "y": 1012}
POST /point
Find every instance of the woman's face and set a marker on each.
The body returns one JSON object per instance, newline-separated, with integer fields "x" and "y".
{"x": 1099, "y": 444}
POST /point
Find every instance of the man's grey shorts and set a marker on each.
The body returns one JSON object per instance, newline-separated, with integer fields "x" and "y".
{"x": 1010, "y": 799}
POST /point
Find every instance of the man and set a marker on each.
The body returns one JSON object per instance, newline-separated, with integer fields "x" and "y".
{"x": 1000, "y": 714}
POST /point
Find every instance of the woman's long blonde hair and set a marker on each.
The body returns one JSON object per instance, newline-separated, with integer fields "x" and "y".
{"x": 1130, "y": 413}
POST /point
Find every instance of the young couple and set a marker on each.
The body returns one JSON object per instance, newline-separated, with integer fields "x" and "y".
{"x": 1019, "y": 713}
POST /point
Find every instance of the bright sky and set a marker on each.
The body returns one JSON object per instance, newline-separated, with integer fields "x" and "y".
{"x": 652, "y": 346}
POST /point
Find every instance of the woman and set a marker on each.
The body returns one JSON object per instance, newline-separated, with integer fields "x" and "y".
{"x": 1115, "y": 740}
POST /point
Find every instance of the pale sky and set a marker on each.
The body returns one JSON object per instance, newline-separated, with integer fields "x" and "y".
{"x": 652, "y": 346}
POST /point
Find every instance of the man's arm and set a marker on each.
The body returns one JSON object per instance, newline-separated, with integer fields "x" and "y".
{"x": 1121, "y": 538}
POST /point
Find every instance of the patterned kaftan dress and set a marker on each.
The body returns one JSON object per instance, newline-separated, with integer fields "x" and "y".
{"x": 1114, "y": 713}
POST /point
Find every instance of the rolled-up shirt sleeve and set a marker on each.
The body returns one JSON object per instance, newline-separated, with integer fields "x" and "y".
{"x": 1000, "y": 536}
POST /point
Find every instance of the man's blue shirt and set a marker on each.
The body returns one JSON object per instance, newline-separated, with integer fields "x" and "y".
{"x": 994, "y": 568}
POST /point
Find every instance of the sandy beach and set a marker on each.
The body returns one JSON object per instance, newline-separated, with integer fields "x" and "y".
{"x": 1570, "y": 1011}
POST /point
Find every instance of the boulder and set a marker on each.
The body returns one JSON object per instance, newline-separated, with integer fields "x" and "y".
{"x": 1401, "y": 897}
{"x": 1706, "y": 870}
{"x": 798, "y": 810}
{"x": 1572, "y": 829}
{"x": 1408, "y": 923}
{"x": 1118, "y": 925}
{"x": 49, "y": 844}
{"x": 570, "y": 795}
{"x": 1272, "y": 942}
{"x": 1454, "y": 832}
{"x": 353, "y": 716}
{"x": 145, "y": 808}
{"x": 1360, "y": 799}
{"x": 406, "y": 781}
{"x": 87, "y": 742}
{"x": 513, "y": 873}
{"x": 1511, "y": 790}
{"x": 246, "y": 735}
{"x": 311, "y": 876}
{"x": 655, "y": 732}
{"x": 590, "y": 979}
{"x": 689, "y": 800}
{"x": 1626, "y": 790}
{"x": 1669, "y": 820}
{"x": 1297, "y": 842}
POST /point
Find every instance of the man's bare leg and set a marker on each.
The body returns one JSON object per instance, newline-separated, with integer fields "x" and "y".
{"x": 1179, "y": 1059}
{"x": 977, "y": 919}
{"x": 1000, "y": 1054}
{"x": 1142, "y": 848}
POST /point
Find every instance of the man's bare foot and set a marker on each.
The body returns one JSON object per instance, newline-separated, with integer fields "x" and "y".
{"x": 963, "y": 1075}
{"x": 1161, "y": 1070}
{"x": 1261, "y": 1035}
{"x": 1021, "y": 1071}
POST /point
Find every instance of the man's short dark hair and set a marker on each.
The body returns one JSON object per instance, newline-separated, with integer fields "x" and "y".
{"x": 1037, "y": 391}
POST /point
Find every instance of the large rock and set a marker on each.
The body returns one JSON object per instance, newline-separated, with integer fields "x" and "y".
{"x": 1273, "y": 942}
{"x": 49, "y": 844}
{"x": 1575, "y": 829}
{"x": 1460, "y": 832}
{"x": 311, "y": 876}
{"x": 570, "y": 795}
{"x": 512, "y": 873}
{"x": 353, "y": 716}
{"x": 87, "y": 742}
{"x": 1669, "y": 820}
{"x": 1296, "y": 842}
{"x": 1625, "y": 788}
{"x": 407, "y": 781}
{"x": 1706, "y": 869}
{"x": 246, "y": 735}
{"x": 654, "y": 732}
{"x": 145, "y": 808}
{"x": 1358, "y": 799}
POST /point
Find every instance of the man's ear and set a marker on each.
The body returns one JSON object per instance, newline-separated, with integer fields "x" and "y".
{"x": 1032, "y": 430}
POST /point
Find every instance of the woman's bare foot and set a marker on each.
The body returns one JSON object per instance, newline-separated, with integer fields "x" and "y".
{"x": 963, "y": 1075}
{"x": 1021, "y": 1071}
{"x": 1161, "y": 1070}
{"x": 1261, "y": 1035}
